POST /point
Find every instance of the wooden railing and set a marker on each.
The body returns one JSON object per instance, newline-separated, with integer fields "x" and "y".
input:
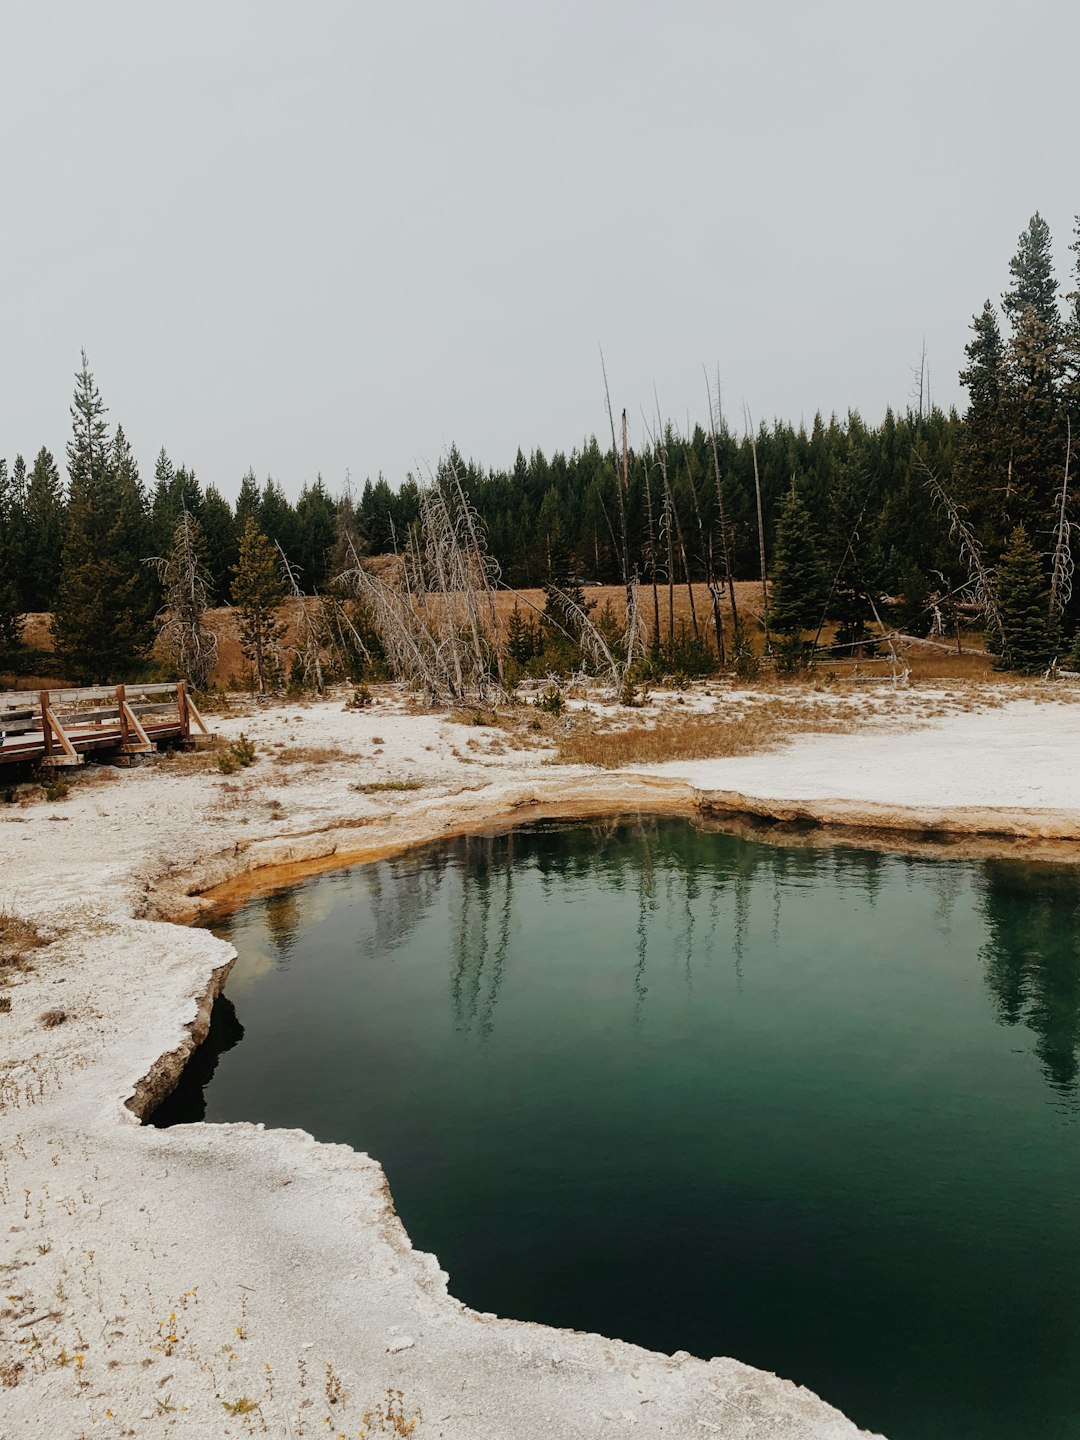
{"x": 58, "y": 727}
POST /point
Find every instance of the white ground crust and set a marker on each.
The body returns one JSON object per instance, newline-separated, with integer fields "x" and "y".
{"x": 150, "y": 1277}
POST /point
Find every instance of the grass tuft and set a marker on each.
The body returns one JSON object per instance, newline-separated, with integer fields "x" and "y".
{"x": 380, "y": 787}
{"x": 18, "y": 940}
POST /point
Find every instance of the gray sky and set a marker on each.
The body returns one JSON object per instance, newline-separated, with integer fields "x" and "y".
{"x": 344, "y": 233}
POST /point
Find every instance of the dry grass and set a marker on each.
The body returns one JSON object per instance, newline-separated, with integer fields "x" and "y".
{"x": 201, "y": 760}
{"x": 311, "y": 755}
{"x": 381, "y": 787}
{"x": 18, "y": 941}
{"x": 698, "y": 737}
{"x": 925, "y": 662}
{"x": 52, "y": 1018}
{"x": 478, "y": 717}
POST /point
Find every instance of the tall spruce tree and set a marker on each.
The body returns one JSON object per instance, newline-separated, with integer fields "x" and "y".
{"x": 17, "y": 546}
{"x": 1029, "y": 639}
{"x": 798, "y": 586}
{"x": 1034, "y": 286}
{"x": 983, "y": 468}
{"x": 44, "y": 516}
{"x": 247, "y": 502}
{"x": 219, "y": 527}
{"x": 1033, "y": 419}
{"x": 316, "y": 532}
{"x": 10, "y": 608}
{"x": 257, "y": 593}
{"x": 102, "y": 623}
{"x": 277, "y": 519}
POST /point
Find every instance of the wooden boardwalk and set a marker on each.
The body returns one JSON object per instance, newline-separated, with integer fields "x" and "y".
{"x": 59, "y": 727}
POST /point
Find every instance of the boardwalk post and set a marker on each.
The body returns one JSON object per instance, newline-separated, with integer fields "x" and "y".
{"x": 121, "y": 697}
{"x": 46, "y": 728}
{"x": 182, "y": 709}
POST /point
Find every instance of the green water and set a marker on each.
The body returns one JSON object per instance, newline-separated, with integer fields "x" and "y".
{"x": 816, "y": 1109}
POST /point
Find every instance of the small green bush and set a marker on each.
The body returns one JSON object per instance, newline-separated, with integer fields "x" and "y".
{"x": 237, "y": 756}
{"x": 56, "y": 787}
{"x": 745, "y": 660}
{"x": 794, "y": 655}
{"x": 551, "y": 702}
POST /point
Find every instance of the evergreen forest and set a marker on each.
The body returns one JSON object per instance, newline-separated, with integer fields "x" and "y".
{"x": 927, "y": 520}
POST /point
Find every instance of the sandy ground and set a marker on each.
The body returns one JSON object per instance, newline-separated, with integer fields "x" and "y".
{"x": 229, "y": 1280}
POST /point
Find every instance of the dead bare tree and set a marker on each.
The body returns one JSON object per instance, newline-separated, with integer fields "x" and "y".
{"x": 651, "y": 522}
{"x": 749, "y": 422}
{"x": 307, "y": 627}
{"x": 725, "y": 539}
{"x": 980, "y": 578}
{"x": 183, "y": 633}
{"x": 1061, "y": 576}
{"x": 629, "y": 581}
{"x": 437, "y": 622}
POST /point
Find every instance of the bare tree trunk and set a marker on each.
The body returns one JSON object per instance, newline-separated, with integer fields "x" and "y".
{"x": 1061, "y": 581}
{"x": 685, "y": 566}
{"x": 628, "y": 579}
{"x": 724, "y": 540}
{"x": 652, "y": 560}
{"x": 760, "y": 530}
{"x": 309, "y": 639}
{"x": 710, "y": 575}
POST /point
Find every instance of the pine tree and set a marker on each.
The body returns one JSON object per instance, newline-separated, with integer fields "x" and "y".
{"x": 102, "y": 623}
{"x": 162, "y": 520}
{"x": 521, "y": 638}
{"x": 1029, "y": 639}
{"x": 44, "y": 512}
{"x": 10, "y": 608}
{"x": 798, "y": 587}
{"x": 16, "y": 547}
{"x": 277, "y": 519}
{"x": 176, "y": 492}
{"x": 247, "y": 502}
{"x": 257, "y": 592}
{"x": 219, "y": 528}
{"x": 1033, "y": 421}
{"x": 1032, "y": 268}
{"x": 983, "y": 468}
{"x": 316, "y": 532}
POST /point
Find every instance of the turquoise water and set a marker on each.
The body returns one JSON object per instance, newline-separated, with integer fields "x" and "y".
{"x": 813, "y": 1108}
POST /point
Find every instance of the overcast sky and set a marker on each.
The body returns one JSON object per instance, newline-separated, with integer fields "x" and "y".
{"x": 340, "y": 235}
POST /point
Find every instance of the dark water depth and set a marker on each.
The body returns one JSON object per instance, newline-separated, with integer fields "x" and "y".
{"x": 816, "y": 1109}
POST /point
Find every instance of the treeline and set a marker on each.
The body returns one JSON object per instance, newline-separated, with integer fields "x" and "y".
{"x": 936, "y": 516}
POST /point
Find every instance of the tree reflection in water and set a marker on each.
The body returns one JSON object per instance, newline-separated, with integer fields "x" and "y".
{"x": 1032, "y": 958}
{"x": 693, "y": 904}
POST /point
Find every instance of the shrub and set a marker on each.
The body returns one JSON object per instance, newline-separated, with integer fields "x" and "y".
{"x": 551, "y": 702}
{"x": 237, "y": 756}
{"x": 745, "y": 660}
{"x": 56, "y": 787}
{"x": 794, "y": 655}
